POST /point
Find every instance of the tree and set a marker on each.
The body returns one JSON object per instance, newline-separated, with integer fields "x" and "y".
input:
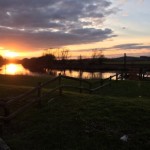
{"x": 1, "y": 60}
{"x": 97, "y": 56}
{"x": 47, "y": 58}
{"x": 96, "y": 53}
{"x": 59, "y": 53}
{"x": 64, "y": 54}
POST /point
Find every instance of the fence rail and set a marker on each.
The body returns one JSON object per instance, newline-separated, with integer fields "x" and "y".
{"x": 4, "y": 103}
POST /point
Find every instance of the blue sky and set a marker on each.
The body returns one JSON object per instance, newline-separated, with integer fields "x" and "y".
{"x": 114, "y": 26}
{"x": 136, "y": 16}
{"x": 131, "y": 24}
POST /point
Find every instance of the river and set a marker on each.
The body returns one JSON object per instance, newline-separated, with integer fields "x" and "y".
{"x": 18, "y": 69}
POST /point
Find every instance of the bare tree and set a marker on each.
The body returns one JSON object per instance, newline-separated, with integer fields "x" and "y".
{"x": 97, "y": 53}
{"x": 97, "y": 56}
{"x": 59, "y": 53}
{"x": 64, "y": 54}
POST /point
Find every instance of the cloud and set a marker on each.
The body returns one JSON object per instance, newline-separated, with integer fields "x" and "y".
{"x": 128, "y": 46}
{"x": 131, "y": 49}
{"x": 131, "y": 46}
{"x": 123, "y": 28}
{"x": 41, "y": 39}
{"x": 42, "y": 23}
{"x": 124, "y": 1}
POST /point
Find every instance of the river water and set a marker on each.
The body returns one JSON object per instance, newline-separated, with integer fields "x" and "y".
{"x": 18, "y": 69}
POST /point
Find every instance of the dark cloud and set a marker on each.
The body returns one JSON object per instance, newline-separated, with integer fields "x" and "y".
{"x": 132, "y": 46}
{"x": 127, "y": 47}
{"x": 54, "y": 22}
{"x": 123, "y": 28}
{"x": 43, "y": 39}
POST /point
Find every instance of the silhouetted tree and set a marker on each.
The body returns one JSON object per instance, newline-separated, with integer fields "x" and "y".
{"x": 64, "y": 54}
{"x": 1, "y": 60}
{"x": 46, "y": 60}
{"x": 59, "y": 53}
{"x": 39, "y": 63}
{"x": 97, "y": 56}
{"x": 96, "y": 53}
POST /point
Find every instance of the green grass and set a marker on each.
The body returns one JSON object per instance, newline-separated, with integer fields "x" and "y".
{"x": 22, "y": 80}
{"x": 127, "y": 89}
{"x": 81, "y": 121}
{"x": 121, "y": 89}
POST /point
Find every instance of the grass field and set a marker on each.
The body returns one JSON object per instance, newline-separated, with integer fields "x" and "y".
{"x": 80, "y": 121}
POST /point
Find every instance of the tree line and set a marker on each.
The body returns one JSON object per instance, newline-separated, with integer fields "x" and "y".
{"x": 61, "y": 59}
{"x": 2, "y": 60}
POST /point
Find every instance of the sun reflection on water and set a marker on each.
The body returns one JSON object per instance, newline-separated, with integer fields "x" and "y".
{"x": 18, "y": 69}
{"x": 13, "y": 69}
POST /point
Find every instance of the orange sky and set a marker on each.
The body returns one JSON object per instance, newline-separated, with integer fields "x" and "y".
{"x": 113, "y": 26}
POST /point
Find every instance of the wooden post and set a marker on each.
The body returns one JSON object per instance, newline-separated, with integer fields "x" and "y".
{"x": 125, "y": 60}
{"x": 121, "y": 75}
{"x": 39, "y": 94}
{"x": 110, "y": 81}
{"x": 125, "y": 65}
{"x": 143, "y": 76}
{"x": 116, "y": 77}
{"x": 80, "y": 85}
{"x": 60, "y": 88}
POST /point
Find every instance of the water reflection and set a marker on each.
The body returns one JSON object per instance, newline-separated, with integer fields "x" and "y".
{"x": 18, "y": 69}
{"x": 82, "y": 74}
{"x": 14, "y": 69}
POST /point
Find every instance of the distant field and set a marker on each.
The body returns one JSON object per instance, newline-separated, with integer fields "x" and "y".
{"x": 80, "y": 121}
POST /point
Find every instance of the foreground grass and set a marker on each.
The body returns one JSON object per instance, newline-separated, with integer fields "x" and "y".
{"x": 82, "y": 122}
{"x": 79, "y": 122}
{"x": 120, "y": 89}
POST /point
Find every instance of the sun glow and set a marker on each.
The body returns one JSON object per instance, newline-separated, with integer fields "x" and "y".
{"x": 13, "y": 69}
{"x": 10, "y": 54}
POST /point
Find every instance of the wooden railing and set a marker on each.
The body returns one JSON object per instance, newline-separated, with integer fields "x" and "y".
{"x": 4, "y": 103}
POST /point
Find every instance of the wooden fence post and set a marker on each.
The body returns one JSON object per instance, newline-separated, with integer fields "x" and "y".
{"x": 116, "y": 77}
{"x": 122, "y": 75}
{"x": 60, "y": 86}
{"x": 39, "y": 94}
{"x": 110, "y": 78}
{"x": 80, "y": 85}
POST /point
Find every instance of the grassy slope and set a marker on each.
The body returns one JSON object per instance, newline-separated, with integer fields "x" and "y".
{"x": 78, "y": 122}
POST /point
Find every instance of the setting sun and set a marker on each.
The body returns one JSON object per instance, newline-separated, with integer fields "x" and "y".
{"x": 10, "y": 54}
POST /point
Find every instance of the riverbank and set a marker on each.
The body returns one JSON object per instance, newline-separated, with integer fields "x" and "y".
{"x": 81, "y": 121}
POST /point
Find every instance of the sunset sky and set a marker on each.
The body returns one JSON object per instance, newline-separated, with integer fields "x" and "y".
{"x": 28, "y": 27}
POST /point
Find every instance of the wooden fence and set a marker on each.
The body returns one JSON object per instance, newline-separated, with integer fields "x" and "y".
{"x": 5, "y": 103}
